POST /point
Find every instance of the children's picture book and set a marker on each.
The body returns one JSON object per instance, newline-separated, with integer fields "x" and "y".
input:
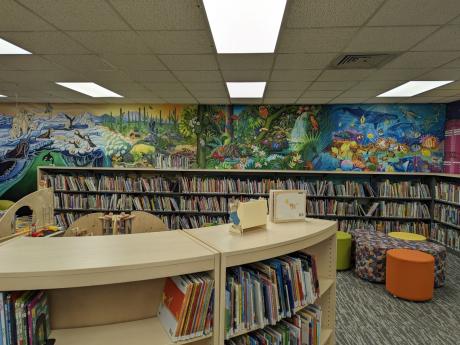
{"x": 248, "y": 215}
{"x": 287, "y": 205}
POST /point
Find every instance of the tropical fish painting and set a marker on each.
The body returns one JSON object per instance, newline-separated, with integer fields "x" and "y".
{"x": 362, "y": 137}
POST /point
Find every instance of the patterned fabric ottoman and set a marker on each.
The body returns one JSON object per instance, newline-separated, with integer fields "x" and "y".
{"x": 369, "y": 252}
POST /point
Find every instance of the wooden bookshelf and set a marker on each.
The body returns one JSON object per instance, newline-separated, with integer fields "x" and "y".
{"x": 420, "y": 224}
{"x": 106, "y": 289}
{"x": 314, "y": 236}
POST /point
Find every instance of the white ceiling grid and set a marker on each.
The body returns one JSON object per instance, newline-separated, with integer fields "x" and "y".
{"x": 161, "y": 51}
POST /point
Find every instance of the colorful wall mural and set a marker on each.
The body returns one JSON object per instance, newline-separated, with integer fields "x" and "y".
{"x": 363, "y": 137}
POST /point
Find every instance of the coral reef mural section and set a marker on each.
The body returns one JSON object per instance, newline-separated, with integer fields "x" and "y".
{"x": 363, "y": 137}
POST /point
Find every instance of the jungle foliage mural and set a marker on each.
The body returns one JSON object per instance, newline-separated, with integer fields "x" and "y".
{"x": 364, "y": 137}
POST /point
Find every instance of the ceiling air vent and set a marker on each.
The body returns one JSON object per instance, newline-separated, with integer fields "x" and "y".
{"x": 360, "y": 61}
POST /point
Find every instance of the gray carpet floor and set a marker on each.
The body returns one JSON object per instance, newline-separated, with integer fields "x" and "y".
{"x": 368, "y": 315}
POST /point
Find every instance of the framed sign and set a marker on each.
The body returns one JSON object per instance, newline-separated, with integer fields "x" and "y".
{"x": 287, "y": 205}
{"x": 248, "y": 215}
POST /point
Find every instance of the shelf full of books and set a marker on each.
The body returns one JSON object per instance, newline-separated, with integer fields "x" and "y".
{"x": 186, "y": 199}
{"x": 279, "y": 285}
{"x": 155, "y": 288}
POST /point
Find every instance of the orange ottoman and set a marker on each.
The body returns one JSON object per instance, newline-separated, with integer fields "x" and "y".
{"x": 410, "y": 274}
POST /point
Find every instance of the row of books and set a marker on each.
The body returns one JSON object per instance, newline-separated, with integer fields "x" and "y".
{"x": 304, "y": 328}
{"x": 108, "y": 183}
{"x": 385, "y": 226}
{"x": 203, "y": 204}
{"x": 263, "y": 293}
{"x": 186, "y": 309}
{"x": 447, "y": 192}
{"x": 404, "y": 189}
{"x": 447, "y": 214}
{"x": 334, "y": 207}
{"x": 446, "y": 236}
{"x": 21, "y": 316}
{"x": 404, "y": 210}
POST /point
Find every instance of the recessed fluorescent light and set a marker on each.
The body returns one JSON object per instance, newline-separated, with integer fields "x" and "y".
{"x": 246, "y": 89}
{"x": 90, "y": 89}
{"x": 9, "y": 48}
{"x": 412, "y": 88}
{"x": 2, "y": 96}
{"x": 245, "y": 26}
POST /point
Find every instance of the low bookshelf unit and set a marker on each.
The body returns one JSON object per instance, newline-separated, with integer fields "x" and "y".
{"x": 183, "y": 199}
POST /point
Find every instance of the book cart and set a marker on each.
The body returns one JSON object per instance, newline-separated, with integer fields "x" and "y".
{"x": 314, "y": 236}
{"x": 106, "y": 289}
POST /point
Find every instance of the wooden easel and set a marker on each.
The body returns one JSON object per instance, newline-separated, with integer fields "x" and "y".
{"x": 115, "y": 224}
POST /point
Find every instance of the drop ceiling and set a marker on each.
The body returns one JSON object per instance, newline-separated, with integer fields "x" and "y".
{"x": 161, "y": 51}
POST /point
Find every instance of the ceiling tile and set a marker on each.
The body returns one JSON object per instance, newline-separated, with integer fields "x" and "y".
{"x": 348, "y": 100}
{"x": 329, "y": 13}
{"x": 190, "y": 62}
{"x": 25, "y": 63}
{"x": 421, "y": 12}
{"x": 359, "y": 94}
{"x": 45, "y": 42}
{"x": 314, "y": 40}
{"x": 175, "y": 86}
{"x": 213, "y": 100}
{"x": 246, "y": 75}
{"x": 332, "y": 85}
{"x": 19, "y": 18}
{"x": 238, "y": 101}
{"x": 137, "y": 100}
{"x": 303, "y": 61}
{"x": 105, "y": 76}
{"x": 284, "y": 100}
{"x": 77, "y": 15}
{"x": 282, "y": 93}
{"x": 388, "y": 39}
{"x": 441, "y": 74}
{"x": 295, "y": 75}
{"x": 452, "y": 64}
{"x": 162, "y": 14}
{"x": 4, "y": 85}
{"x": 210, "y": 93}
{"x": 198, "y": 76}
{"x": 205, "y": 86}
{"x": 136, "y": 62}
{"x": 422, "y": 59}
{"x": 422, "y": 100}
{"x": 390, "y": 100}
{"x": 378, "y": 85}
{"x": 451, "y": 99}
{"x": 287, "y": 85}
{"x": 396, "y": 74}
{"x": 172, "y": 93}
{"x": 447, "y": 38}
{"x": 82, "y": 63}
{"x": 111, "y": 42}
{"x": 42, "y": 76}
{"x": 304, "y": 100}
{"x": 178, "y": 42}
{"x": 180, "y": 100}
{"x": 124, "y": 86}
{"x": 345, "y": 75}
{"x": 320, "y": 94}
{"x": 134, "y": 93}
{"x": 245, "y": 61}
{"x": 152, "y": 76}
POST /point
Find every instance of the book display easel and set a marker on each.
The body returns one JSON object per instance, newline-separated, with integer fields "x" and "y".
{"x": 192, "y": 198}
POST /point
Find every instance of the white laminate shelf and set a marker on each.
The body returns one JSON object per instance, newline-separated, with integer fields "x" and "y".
{"x": 48, "y": 263}
{"x": 256, "y": 245}
{"x": 142, "y": 332}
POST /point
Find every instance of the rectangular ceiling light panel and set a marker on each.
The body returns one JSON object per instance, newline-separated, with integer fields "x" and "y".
{"x": 90, "y": 89}
{"x": 412, "y": 88}
{"x": 245, "y": 26}
{"x": 7, "y": 48}
{"x": 3, "y": 96}
{"x": 246, "y": 89}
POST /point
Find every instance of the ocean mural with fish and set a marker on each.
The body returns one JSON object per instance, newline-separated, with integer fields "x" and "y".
{"x": 362, "y": 137}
